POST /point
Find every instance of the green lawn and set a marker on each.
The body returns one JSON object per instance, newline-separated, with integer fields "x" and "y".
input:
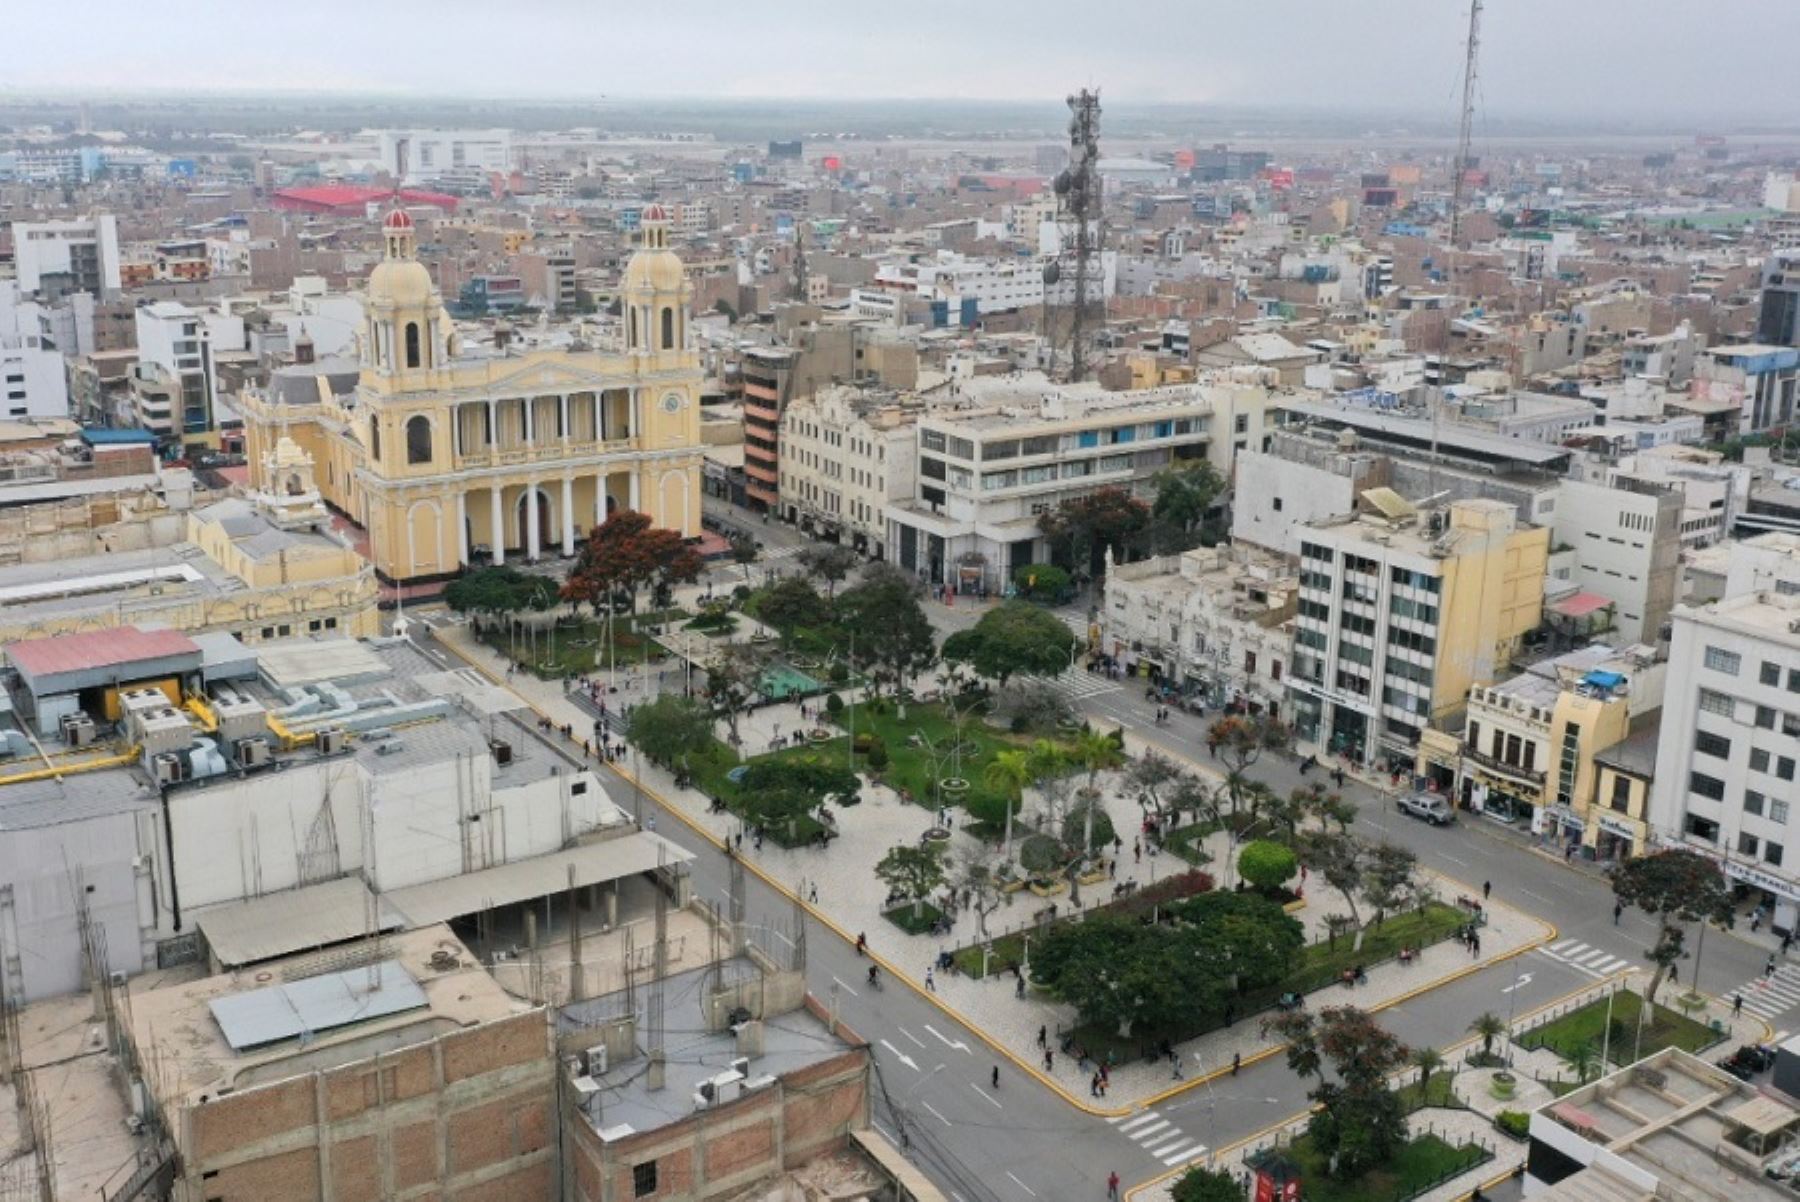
{"x": 711, "y": 768}
{"x": 1664, "y": 1028}
{"x": 577, "y": 646}
{"x": 1418, "y": 1165}
{"x": 912, "y": 769}
{"x": 1441, "y": 1092}
{"x": 1321, "y": 965}
{"x": 913, "y": 924}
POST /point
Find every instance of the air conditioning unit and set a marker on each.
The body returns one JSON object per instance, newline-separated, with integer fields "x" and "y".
{"x": 502, "y": 752}
{"x": 596, "y": 1060}
{"x": 741, "y": 1065}
{"x": 77, "y": 729}
{"x": 166, "y": 767}
{"x": 117, "y": 979}
{"x": 252, "y": 753}
{"x": 331, "y": 740}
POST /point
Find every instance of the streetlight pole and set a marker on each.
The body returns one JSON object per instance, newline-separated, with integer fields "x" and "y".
{"x": 1512, "y": 1002}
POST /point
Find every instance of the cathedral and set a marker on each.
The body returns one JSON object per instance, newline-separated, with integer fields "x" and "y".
{"x": 448, "y": 462}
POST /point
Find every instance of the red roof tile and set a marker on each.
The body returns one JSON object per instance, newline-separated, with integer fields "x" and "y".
{"x": 96, "y": 649}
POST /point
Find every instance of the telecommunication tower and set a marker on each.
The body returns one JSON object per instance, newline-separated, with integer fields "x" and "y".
{"x": 1459, "y": 182}
{"x": 1078, "y": 198}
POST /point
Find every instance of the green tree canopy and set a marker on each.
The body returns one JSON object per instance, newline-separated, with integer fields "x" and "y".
{"x": 1081, "y": 529}
{"x": 1011, "y": 638}
{"x": 500, "y": 589}
{"x": 828, "y": 562}
{"x": 893, "y": 637}
{"x": 1673, "y": 887}
{"x": 1207, "y": 1185}
{"x": 1042, "y": 582}
{"x": 1266, "y": 864}
{"x": 669, "y": 729}
{"x": 1185, "y": 493}
{"x": 791, "y": 604}
{"x": 1357, "y": 1123}
{"x": 913, "y": 870}
{"x": 778, "y": 791}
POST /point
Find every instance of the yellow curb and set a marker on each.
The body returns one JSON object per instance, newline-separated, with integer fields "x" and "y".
{"x": 893, "y": 973}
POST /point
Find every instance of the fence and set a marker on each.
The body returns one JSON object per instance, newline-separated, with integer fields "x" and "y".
{"x": 1474, "y": 1154}
{"x": 1528, "y": 1034}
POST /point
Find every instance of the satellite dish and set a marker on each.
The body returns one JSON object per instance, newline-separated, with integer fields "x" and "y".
{"x": 1061, "y": 184}
{"x": 1052, "y": 272}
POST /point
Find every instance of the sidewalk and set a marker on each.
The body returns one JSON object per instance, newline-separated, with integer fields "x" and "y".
{"x": 841, "y": 887}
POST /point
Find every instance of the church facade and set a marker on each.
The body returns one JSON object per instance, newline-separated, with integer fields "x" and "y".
{"x": 448, "y": 462}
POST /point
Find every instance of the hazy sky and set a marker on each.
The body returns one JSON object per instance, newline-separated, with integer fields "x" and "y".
{"x": 1600, "y": 57}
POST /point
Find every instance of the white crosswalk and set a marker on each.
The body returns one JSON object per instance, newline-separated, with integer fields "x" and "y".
{"x": 1595, "y": 961}
{"x": 1078, "y": 685}
{"x": 1159, "y": 1137}
{"x": 1767, "y": 997}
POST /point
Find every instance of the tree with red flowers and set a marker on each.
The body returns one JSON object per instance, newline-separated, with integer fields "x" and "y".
{"x": 622, "y": 555}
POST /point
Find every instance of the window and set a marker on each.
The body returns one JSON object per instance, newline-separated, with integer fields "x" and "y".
{"x": 1770, "y": 674}
{"x": 1621, "y": 794}
{"x": 1765, "y": 717}
{"x": 1748, "y": 845}
{"x": 1721, "y": 660}
{"x": 1702, "y": 828}
{"x": 418, "y": 439}
{"x": 1759, "y": 760}
{"x": 1772, "y": 853}
{"x": 643, "y": 1179}
{"x": 1277, "y": 504}
{"x": 1778, "y": 812}
{"x": 1753, "y": 802}
{"x": 1706, "y": 786}
{"x": 412, "y": 344}
{"x": 1784, "y": 768}
{"x": 1716, "y": 703}
{"x": 668, "y": 329}
{"x": 1717, "y": 746}
{"x": 1794, "y": 680}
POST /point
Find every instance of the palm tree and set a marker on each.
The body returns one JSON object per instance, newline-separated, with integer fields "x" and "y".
{"x": 1097, "y": 753}
{"x": 1489, "y": 1026}
{"x": 1009, "y": 771}
{"x": 1427, "y": 1061}
{"x": 1584, "y": 1058}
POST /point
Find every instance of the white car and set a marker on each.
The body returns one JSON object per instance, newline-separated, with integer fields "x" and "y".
{"x": 1428, "y": 807}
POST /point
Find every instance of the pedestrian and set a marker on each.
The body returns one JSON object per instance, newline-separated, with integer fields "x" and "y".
{"x": 1043, "y": 1037}
{"x": 740, "y": 840}
{"x": 1787, "y": 941}
{"x": 1112, "y": 870}
{"x": 1737, "y": 1005}
{"x": 651, "y": 823}
{"x": 996, "y": 1077}
{"x": 1174, "y": 1068}
{"x": 1094, "y": 1086}
{"x": 1618, "y": 909}
{"x": 1112, "y": 1187}
{"x": 812, "y": 895}
{"x": 1049, "y": 1061}
{"x": 1137, "y": 852}
{"x": 1105, "y": 1075}
{"x": 1337, "y": 775}
{"x": 1237, "y": 1062}
{"x": 1477, "y": 947}
{"x": 1019, "y": 987}
{"x": 930, "y": 982}
{"x": 1769, "y": 968}
{"x": 1756, "y": 920}
{"x": 1487, "y": 890}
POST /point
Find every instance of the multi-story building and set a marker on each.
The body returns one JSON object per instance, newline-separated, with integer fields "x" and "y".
{"x": 175, "y": 382}
{"x": 68, "y": 256}
{"x": 1213, "y": 621}
{"x": 1006, "y": 450}
{"x": 1757, "y": 381}
{"x": 1402, "y": 612}
{"x": 767, "y": 374}
{"x": 1626, "y": 538}
{"x": 846, "y": 455}
{"x": 448, "y": 460}
{"x": 1727, "y": 767}
{"x": 425, "y": 155}
{"x": 1778, "y": 318}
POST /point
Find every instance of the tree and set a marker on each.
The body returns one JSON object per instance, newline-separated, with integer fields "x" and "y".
{"x": 1428, "y": 1061}
{"x": 1309, "y": 803}
{"x": 891, "y": 637}
{"x": 1357, "y": 1123}
{"x": 744, "y": 552}
{"x": 669, "y": 729}
{"x": 1033, "y": 705}
{"x": 733, "y": 677}
{"x": 1184, "y": 494}
{"x": 1238, "y": 741}
{"x": 1341, "y": 860}
{"x": 829, "y": 562}
{"x": 777, "y": 793}
{"x": 1013, "y": 637}
{"x": 1390, "y": 879}
{"x": 1267, "y": 865}
{"x": 1207, "y": 1185}
{"x": 978, "y": 876}
{"x": 1096, "y": 752}
{"x": 1081, "y": 529}
{"x": 792, "y": 604}
{"x": 913, "y": 870}
{"x": 1165, "y": 791}
{"x": 1673, "y": 887}
{"x": 623, "y": 554}
{"x": 1042, "y": 582}
{"x": 1489, "y": 1026}
{"x": 500, "y": 589}
{"x": 1009, "y": 772}
{"x": 1584, "y": 1058}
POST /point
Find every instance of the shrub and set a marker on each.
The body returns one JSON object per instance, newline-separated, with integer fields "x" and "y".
{"x": 838, "y": 673}
{"x": 741, "y": 593}
{"x": 834, "y": 705}
{"x": 878, "y": 756}
{"x": 1040, "y": 854}
{"x": 1515, "y": 1123}
{"x": 1267, "y": 865}
{"x": 1075, "y": 826}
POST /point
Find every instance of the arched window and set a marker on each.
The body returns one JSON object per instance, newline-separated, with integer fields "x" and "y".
{"x": 412, "y": 344}
{"x": 668, "y": 329}
{"x": 418, "y": 439}
{"x": 632, "y": 340}
{"x": 374, "y": 441}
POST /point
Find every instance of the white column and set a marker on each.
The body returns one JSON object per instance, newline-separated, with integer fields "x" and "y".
{"x": 599, "y": 499}
{"x": 568, "y": 515}
{"x": 633, "y": 495}
{"x": 497, "y": 528}
{"x": 462, "y": 527}
{"x": 563, "y": 405}
{"x": 456, "y": 439}
{"x": 532, "y": 543}
{"x": 493, "y": 429}
{"x": 631, "y": 413}
{"x": 530, "y": 423}
{"x": 599, "y": 396}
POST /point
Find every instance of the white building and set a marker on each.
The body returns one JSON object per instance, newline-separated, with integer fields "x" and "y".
{"x": 84, "y": 252}
{"x": 33, "y": 380}
{"x": 422, "y": 155}
{"x": 846, "y": 455}
{"x": 1626, "y": 541}
{"x": 1726, "y": 767}
{"x": 176, "y": 385}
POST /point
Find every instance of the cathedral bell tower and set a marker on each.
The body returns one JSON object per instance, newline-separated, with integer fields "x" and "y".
{"x": 656, "y": 294}
{"x": 406, "y": 332}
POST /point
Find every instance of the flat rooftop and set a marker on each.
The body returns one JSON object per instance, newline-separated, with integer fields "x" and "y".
{"x": 176, "y": 1028}
{"x": 692, "y": 1054}
{"x": 120, "y": 581}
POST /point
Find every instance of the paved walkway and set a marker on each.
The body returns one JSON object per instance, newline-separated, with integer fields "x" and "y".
{"x": 842, "y": 887}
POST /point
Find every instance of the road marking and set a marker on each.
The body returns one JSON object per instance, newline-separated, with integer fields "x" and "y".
{"x": 933, "y": 1109}
{"x": 1454, "y": 860}
{"x": 958, "y": 1044}
{"x": 912, "y": 1037}
{"x": 902, "y": 1057}
{"x": 1539, "y": 896}
{"x": 1594, "y": 961}
{"x": 1143, "y": 1132}
{"x": 1193, "y": 1153}
{"x": 1147, "y": 1116}
{"x": 1161, "y": 1145}
{"x": 984, "y": 1093}
{"x": 845, "y": 988}
{"x": 1523, "y": 980}
{"x": 1022, "y": 1185}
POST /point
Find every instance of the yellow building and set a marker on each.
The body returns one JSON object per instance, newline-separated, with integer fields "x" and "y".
{"x": 447, "y": 461}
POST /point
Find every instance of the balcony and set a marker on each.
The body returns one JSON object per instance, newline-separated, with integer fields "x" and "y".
{"x": 550, "y": 452}
{"x": 1528, "y": 776}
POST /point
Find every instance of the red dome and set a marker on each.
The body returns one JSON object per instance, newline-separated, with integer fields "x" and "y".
{"x": 397, "y": 219}
{"x": 656, "y": 213}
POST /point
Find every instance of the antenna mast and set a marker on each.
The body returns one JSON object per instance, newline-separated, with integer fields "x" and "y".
{"x": 1461, "y": 167}
{"x": 1078, "y": 193}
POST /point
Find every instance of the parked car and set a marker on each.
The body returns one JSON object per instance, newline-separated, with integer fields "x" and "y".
{"x": 1428, "y": 807}
{"x": 1749, "y": 1060}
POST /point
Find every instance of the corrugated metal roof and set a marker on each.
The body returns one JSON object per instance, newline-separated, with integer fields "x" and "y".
{"x": 614, "y": 859}
{"x": 96, "y": 649}
{"x": 293, "y": 920}
{"x": 315, "y": 1004}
